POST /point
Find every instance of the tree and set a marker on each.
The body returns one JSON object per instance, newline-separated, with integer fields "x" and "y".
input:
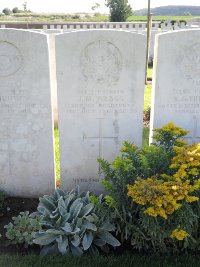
{"x": 7, "y": 11}
{"x": 25, "y": 6}
{"x": 120, "y": 10}
{"x": 15, "y": 10}
{"x": 96, "y": 6}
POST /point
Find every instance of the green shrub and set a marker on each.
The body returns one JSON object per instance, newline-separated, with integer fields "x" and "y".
{"x": 71, "y": 223}
{"x": 159, "y": 210}
{"x": 2, "y": 202}
{"x": 23, "y": 228}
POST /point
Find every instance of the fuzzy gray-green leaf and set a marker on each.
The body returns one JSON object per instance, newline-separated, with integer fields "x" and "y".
{"x": 44, "y": 239}
{"x": 109, "y": 238}
{"x": 87, "y": 209}
{"x": 90, "y": 226}
{"x": 67, "y": 228}
{"x": 76, "y": 251}
{"x": 87, "y": 240}
{"x": 76, "y": 241}
{"x": 62, "y": 206}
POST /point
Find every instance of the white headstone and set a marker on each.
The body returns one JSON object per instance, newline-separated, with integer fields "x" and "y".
{"x": 100, "y": 77}
{"x": 176, "y": 88}
{"x": 26, "y": 128}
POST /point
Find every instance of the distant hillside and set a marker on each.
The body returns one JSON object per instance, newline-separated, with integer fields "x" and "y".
{"x": 171, "y": 11}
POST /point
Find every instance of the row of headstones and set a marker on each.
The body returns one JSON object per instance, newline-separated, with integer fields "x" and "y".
{"x": 165, "y": 26}
{"x": 100, "y": 80}
{"x": 138, "y": 26}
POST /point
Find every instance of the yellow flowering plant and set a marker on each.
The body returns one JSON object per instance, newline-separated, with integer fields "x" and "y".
{"x": 179, "y": 234}
{"x": 154, "y": 192}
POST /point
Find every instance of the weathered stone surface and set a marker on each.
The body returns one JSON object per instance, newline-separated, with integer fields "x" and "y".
{"x": 100, "y": 75}
{"x": 26, "y": 129}
{"x": 176, "y": 88}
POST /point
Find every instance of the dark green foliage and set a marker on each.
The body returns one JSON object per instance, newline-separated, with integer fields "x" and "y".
{"x": 23, "y": 228}
{"x": 15, "y": 10}
{"x": 120, "y": 10}
{"x": 156, "y": 232}
{"x": 7, "y": 11}
{"x": 2, "y": 202}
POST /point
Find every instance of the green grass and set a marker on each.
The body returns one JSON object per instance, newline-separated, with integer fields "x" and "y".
{"x": 150, "y": 73}
{"x": 147, "y": 97}
{"x": 42, "y": 17}
{"x": 145, "y": 137}
{"x": 161, "y": 18}
{"x": 128, "y": 260}
{"x": 57, "y": 154}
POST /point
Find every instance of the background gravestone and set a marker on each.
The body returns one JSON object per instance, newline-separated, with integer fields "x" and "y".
{"x": 100, "y": 76}
{"x": 26, "y": 128}
{"x": 176, "y": 85}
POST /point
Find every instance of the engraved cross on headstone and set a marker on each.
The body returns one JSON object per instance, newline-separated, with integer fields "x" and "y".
{"x": 100, "y": 138}
{"x": 195, "y": 137}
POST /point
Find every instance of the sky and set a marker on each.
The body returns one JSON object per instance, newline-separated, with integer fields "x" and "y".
{"x": 72, "y": 6}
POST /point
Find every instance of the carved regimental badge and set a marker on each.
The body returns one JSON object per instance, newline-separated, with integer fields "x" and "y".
{"x": 101, "y": 62}
{"x": 10, "y": 59}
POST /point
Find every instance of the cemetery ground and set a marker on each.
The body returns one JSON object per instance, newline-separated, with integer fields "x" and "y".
{"x": 15, "y": 205}
{"x": 18, "y": 256}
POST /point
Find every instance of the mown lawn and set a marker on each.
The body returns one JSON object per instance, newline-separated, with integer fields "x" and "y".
{"x": 127, "y": 260}
{"x": 42, "y": 17}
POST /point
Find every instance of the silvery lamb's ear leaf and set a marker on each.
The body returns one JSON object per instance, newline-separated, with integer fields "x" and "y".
{"x": 63, "y": 245}
{"x": 54, "y": 217}
{"x": 68, "y": 200}
{"x": 59, "y": 193}
{"x": 93, "y": 250}
{"x": 99, "y": 242}
{"x": 74, "y": 204}
{"x": 107, "y": 226}
{"x": 90, "y": 226}
{"x": 51, "y": 249}
{"x": 108, "y": 238}
{"x": 42, "y": 210}
{"x": 95, "y": 218}
{"x": 55, "y": 211}
{"x": 87, "y": 196}
{"x": 54, "y": 231}
{"x": 62, "y": 206}
{"x": 76, "y": 230}
{"x": 58, "y": 222}
{"x": 76, "y": 241}
{"x": 66, "y": 217}
{"x": 77, "y": 190}
{"x": 87, "y": 209}
{"x": 89, "y": 218}
{"x": 77, "y": 210}
{"x": 76, "y": 251}
{"x": 46, "y": 223}
{"x": 87, "y": 240}
{"x": 48, "y": 203}
{"x": 44, "y": 239}
{"x": 67, "y": 228}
